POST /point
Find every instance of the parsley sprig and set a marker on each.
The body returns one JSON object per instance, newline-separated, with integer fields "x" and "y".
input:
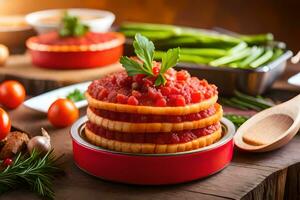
{"x": 144, "y": 49}
{"x": 71, "y": 26}
{"x": 76, "y": 95}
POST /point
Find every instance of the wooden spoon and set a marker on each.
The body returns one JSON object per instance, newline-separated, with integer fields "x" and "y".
{"x": 271, "y": 128}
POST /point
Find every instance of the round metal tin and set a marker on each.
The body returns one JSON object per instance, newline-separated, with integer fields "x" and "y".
{"x": 152, "y": 169}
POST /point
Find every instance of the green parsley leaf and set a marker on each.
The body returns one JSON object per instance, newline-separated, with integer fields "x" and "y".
{"x": 169, "y": 59}
{"x": 71, "y": 26}
{"x": 132, "y": 67}
{"x": 160, "y": 80}
{"x": 144, "y": 49}
{"x": 76, "y": 95}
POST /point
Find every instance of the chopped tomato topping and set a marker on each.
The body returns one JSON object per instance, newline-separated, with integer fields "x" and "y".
{"x": 180, "y": 89}
{"x": 132, "y": 101}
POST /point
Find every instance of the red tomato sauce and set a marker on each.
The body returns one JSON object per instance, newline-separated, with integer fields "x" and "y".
{"x": 154, "y": 138}
{"x": 139, "y": 118}
{"x": 89, "y": 38}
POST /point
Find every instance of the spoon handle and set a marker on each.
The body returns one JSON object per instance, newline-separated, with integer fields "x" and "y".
{"x": 295, "y": 102}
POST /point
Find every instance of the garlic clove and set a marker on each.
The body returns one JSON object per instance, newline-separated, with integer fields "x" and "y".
{"x": 40, "y": 144}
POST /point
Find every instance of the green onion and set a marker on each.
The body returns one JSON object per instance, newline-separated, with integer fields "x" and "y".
{"x": 231, "y": 58}
{"x": 194, "y": 59}
{"x": 179, "y": 41}
{"x": 229, "y": 103}
{"x": 257, "y": 39}
{"x": 246, "y": 102}
{"x": 255, "y": 53}
{"x": 241, "y": 46}
{"x": 262, "y": 59}
{"x": 149, "y": 34}
{"x": 277, "y": 53}
{"x": 207, "y": 47}
{"x": 209, "y": 52}
{"x": 158, "y": 55}
{"x": 237, "y": 120}
{"x": 257, "y": 101}
{"x": 150, "y": 27}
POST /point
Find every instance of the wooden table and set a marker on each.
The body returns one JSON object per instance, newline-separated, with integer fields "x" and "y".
{"x": 38, "y": 80}
{"x": 274, "y": 175}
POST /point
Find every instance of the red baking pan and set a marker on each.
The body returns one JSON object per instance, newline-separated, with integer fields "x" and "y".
{"x": 76, "y": 56}
{"x": 152, "y": 169}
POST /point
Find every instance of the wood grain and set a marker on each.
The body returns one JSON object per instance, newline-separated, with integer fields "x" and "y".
{"x": 271, "y": 128}
{"x": 292, "y": 189}
{"x": 268, "y": 129}
{"x": 250, "y": 176}
{"x": 263, "y": 176}
{"x": 37, "y": 80}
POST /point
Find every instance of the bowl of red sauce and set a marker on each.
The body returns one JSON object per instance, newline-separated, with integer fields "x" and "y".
{"x": 91, "y": 50}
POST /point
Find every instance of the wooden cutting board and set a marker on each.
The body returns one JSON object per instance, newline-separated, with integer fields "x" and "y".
{"x": 38, "y": 80}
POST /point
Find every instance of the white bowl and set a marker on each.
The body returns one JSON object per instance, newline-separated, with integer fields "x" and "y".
{"x": 97, "y": 20}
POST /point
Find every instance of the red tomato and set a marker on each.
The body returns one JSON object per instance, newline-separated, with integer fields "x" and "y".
{"x": 5, "y": 124}
{"x": 8, "y": 162}
{"x": 62, "y": 113}
{"x": 12, "y": 94}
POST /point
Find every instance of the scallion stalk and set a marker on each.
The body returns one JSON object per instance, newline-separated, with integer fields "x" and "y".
{"x": 262, "y": 59}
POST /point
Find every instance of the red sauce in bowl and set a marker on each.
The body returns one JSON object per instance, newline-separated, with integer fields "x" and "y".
{"x": 89, "y": 38}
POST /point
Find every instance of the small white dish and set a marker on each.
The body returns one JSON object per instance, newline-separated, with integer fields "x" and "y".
{"x": 48, "y": 20}
{"x": 295, "y": 80}
{"x": 42, "y": 102}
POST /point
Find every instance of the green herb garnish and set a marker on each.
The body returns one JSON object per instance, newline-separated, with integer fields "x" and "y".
{"x": 71, "y": 26}
{"x": 169, "y": 60}
{"x": 144, "y": 50}
{"x": 34, "y": 172}
{"x": 246, "y": 102}
{"x": 237, "y": 120}
{"x": 76, "y": 95}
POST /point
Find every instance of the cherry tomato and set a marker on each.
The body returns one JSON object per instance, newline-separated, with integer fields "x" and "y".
{"x": 62, "y": 113}
{"x": 5, "y": 124}
{"x": 12, "y": 94}
{"x": 155, "y": 71}
{"x": 7, "y": 162}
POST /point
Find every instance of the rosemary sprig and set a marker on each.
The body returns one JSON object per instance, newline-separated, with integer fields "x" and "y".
{"x": 34, "y": 171}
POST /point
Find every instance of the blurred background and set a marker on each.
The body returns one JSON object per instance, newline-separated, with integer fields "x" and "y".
{"x": 250, "y": 64}
{"x": 279, "y": 17}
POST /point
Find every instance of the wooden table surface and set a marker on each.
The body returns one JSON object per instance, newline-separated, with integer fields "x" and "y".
{"x": 38, "y": 80}
{"x": 260, "y": 176}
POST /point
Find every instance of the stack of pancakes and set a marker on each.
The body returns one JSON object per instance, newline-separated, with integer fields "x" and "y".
{"x": 150, "y": 129}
